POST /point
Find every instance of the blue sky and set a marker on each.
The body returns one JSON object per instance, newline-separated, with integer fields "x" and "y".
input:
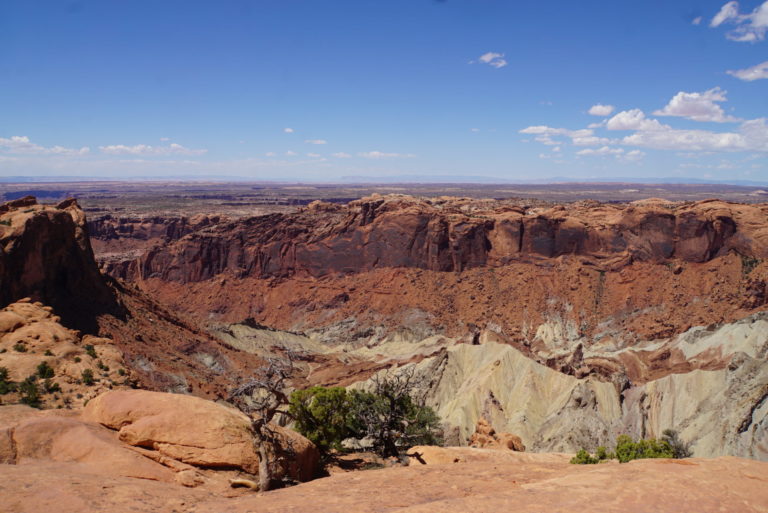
{"x": 319, "y": 90}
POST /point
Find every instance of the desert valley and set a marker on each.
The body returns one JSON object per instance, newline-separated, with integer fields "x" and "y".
{"x": 533, "y": 329}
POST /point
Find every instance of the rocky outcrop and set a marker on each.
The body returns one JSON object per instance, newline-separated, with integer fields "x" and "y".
{"x": 195, "y": 431}
{"x": 444, "y": 235}
{"x": 31, "y": 336}
{"x": 45, "y": 254}
{"x": 175, "y": 439}
{"x": 485, "y": 437}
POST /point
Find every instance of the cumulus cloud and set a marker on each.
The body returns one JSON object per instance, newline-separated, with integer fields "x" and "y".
{"x": 381, "y": 155}
{"x": 316, "y": 141}
{"x": 697, "y": 20}
{"x": 21, "y": 144}
{"x": 147, "y": 150}
{"x": 290, "y": 153}
{"x": 698, "y": 106}
{"x": 288, "y": 130}
{"x": 342, "y": 155}
{"x": 756, "y": 72}
{"x": 751, "y": 136}
{"x": 601, "y": 110}
{"x": 749, "y": 27}
{"x": 633, "y": 119}
{"x": 314, "y": 155}
{"x": 270, "y": 154}
{"x": 494, "y": 59}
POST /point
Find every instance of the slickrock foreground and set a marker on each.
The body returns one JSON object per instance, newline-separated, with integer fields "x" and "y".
{"x": 490, "y": 481}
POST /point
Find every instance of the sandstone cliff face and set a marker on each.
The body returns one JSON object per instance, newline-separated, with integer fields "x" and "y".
{"x": 442, "y": 235}
{"x": 45, "y": 254}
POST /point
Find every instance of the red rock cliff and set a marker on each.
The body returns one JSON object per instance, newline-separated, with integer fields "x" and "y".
{"x": 454, "y": 235}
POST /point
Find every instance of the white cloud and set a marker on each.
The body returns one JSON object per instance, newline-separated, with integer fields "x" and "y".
{"x": 270, "y": 154}
{"x": 605, "y": 150}
{"x": 698, "y": 106}
{"x": 582, "y": 137}
{"x": 634, "y": 155}
{"x": 697, "y": 20}
{"x": 748, "y": 27}
{"x": 290, "y": 153}
{"x": 316, "y": 141}
{"x": 601, "y": 110}
{"x": 342, "y": 155}
{"x": 165, "y": 139}
{"x": 145, "y": 149}
{"x": 556, "y": 149}
{"x": 756, "y": 72}
{"x": 634, "y": 119}
{"x": 314, "y": 155}
{"x": 752, "y": 136}
{"x": 474, "y": 129}
{"x": 381, "y": 155}
{"x": 288, "y": 130}
{"x": 20, "y": 144}
{"x": 494, "y": 59}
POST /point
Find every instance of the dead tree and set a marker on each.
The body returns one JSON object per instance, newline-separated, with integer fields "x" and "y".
{"x": 262, "y": 398}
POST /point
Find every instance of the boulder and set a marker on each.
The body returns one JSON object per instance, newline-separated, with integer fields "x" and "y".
{"x": 194, "y": 431}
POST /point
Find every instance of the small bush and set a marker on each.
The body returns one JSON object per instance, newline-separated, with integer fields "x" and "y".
{"x": 670, "y": 446}
{"x": 48, "y": 352}
{"x": 5, "y": 222}
{"x": 78, "y": 359}
{"x": 6, "y": 385}
{"x": 90, "y": 351}
{"x": 88, "y": 377}
{"x": 30, "y": 393}
{"x": 679, "y": 448}
{"x": 20, "y": 347}
{"x": 45, "y": 371}
{"x": 101, "y": 366}
{"x": 51, "y": 387}
{"x": 121, "y": 372}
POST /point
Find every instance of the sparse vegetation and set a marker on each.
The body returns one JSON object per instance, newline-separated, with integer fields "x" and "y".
{"x": 29, "y": 392}
{"x": 669, "y": 446}
{"x": 90, "y": 351}
{"x": 87, "y": 377}
{"x": 48, "y": 352}
{"x": 78, "y": 359}
{"x": 44, "y": 371}
{"x": 20, "y": 347}
{"x": 101, "y": 366}
{"x": 748, "y": 264}
{"x": 6, "y": 385}
{"x": 51, "y": 387}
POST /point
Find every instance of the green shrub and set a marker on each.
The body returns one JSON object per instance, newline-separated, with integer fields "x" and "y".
{"x": 583, "y": 458}
{"x": 390, "y": 417}
{"x": 101, "y": 366}
{"x": 51, "y": 387}
{"x": 322, "y": 415}
{"x": 30, "y": 393}
{"x": 88, "y": 377}
{"x": 5, "y": 222}
{"x": 20, "y": 347}
{"x": 48, "y": 352}
{"x": 45, "y": 371}
{"x": 627, "y": 449}
{"x": 121, "y": 372}
{"x": 78, "y": 359}
{"x": 6, "y": 385}
{"x": 679, "y": 448}
{"x": 90, "y": 351}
